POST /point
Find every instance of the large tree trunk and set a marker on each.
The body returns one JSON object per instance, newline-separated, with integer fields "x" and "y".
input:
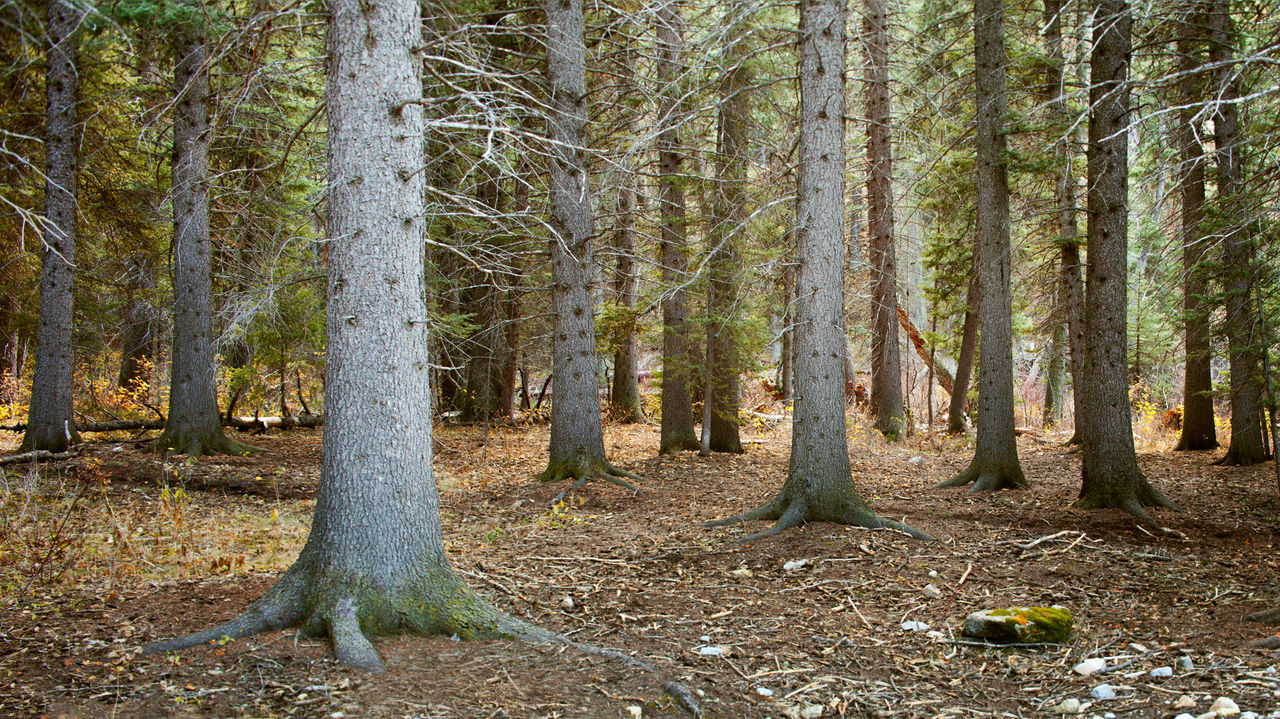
{"x": 138, "y": 339}
{"x": 193, "y": 427}
{"x": 957, "y": 422}
{"x": 50, "y": 424}
{"x": 995, "y": 462}
{"x": 577, "y": 439}
{"x": 487, "y": 348}
{"x": 725, "y": 264}
{"x": 1111, "y": 477}
{"x": 374, "y": 561}
{"x": 677, "y": 360}
{"x": 1243, "y": 336}
{"x": 624, "y": 400}
{"x": 787, "y": 382}
{"x": 1198, "y": 430}
{"x": 819, "y": 484}
{"x": 886, "y": 366}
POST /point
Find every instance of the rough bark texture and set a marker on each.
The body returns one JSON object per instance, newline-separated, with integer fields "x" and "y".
{"x": 374, "y": 562}
{"x": 1111, "y": 477}
{"x": 1198, "y": 430}
{"x": 488, "y": 392}
{"x": 1243, "y": 337}
{"x": 677, "y": 360}
{"x": 819, "y": 484}
{"x": 577, "y": 439}
{"x": 957, "y": 423}
{"x": 50, "y": 424}
{"x": 194, "y": 427}
{"x": 886, "y": 364}
{"x": 624, "y": 400}
{"x": 995, "y": 462}
{"x": 138, "y": 339}
{"x": 725, "y": 264}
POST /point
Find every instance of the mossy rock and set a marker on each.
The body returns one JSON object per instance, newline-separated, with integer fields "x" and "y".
{"x": 1020, "y": 625}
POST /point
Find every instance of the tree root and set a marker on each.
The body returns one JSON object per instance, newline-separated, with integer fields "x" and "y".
{"x": 202, "y": 442}
{"x": 1266, "y": 616}
{"x": 1268, "y": 643}
{"x": 788, "y": 513}
{"x": 439, "y": 603}
{"x": 1235, "y": 458}
{"x": 987, "y": 479}
{"x": 1134, "y": 501}
{"x": 584, "y": 468}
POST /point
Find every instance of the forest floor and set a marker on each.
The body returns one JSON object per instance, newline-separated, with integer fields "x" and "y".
{"x": 118, "y": 547}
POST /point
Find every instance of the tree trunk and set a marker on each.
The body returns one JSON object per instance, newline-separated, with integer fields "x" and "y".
{"x": 1198, "y": 430}
{"x": 886, "y": 367}
{"x": 725, "y": 264}
{"x": 624, "y": 400}
{"x": 819, "y": 484}
{"x": 1111, "y": 477}
{"x": 50, "y": 424}
{"x": 487, "y": 348}
{"x": 957, "y": 423}
{"x": 1055, "y": 369}
{"x": 138, "y": 339}
{"x": 995, "y": 462}
{"x": 193, "y": 425}
{"x": 786, "y": 383}
{"x": 1247, "y": 446}
{"x": 678, "y": 361}
{"x": 374, "y": 561}
{"x": 577, "y": 439}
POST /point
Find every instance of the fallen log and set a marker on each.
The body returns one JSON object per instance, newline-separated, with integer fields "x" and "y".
{"x": 917, "y": 340}
{"x": 309, "y": 421}
{"x": 39, "y": 455}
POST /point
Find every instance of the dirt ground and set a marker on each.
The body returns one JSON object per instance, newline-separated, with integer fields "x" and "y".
{"x": 117, "y": 547}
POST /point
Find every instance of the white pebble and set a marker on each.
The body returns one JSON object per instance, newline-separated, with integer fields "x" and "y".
{"x": 1069, "y": 706}
{"x": 1162, "y": 672}
{"x": 1224, "y": 707}
{"x": 711, "y": 651}
{"x": 635, "y": 711}
{"x": 914, "y": 626}
{"x": 1090, "y": 666}
{"x": 1103, "y": 692}
{"x": 764, "y": 691}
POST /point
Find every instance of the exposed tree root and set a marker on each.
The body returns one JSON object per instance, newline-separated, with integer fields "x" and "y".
{"x": 676, "y": 445}
{"x": 584, "y": 468}
{"x": 1134, "y": 500}
{"x": 1235, "y": 458}
{"x": 792, "y": 512}
{"x": 987, "y": 479}
{"x": 1268, "y": 643}
{"x": 201, "y": 442}
{"x": 348, "y": 613}
{"x": 1266, "y": 616}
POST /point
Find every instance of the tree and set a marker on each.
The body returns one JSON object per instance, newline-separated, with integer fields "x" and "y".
{"x": 956, "y": 421}
{"x": 819, "y": 484}
{"x": 1198, "y": 430}
{"x": 193, "y": 426}
{"x": 1247, "y": 445}
{"x": 995, "y": 462}
{"x": 886, "y": 369}
{"x": 50, "y": 423}
{"x": 624, "y": 399}
{"x": 577, "y": 439}
{"x": 1111, "y": 477}
{"x": 677, "y": 361}
{"x": 374, "y": 561}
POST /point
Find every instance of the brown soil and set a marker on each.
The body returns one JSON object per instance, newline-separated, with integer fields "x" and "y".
{"x": 132, "y": 565}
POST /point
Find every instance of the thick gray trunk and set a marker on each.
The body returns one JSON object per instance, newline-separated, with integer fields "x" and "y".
{"x": 193, "y": 425}
{"x": 1111, "y": 477}
{"x": 995, "y": 462}
{"x": 1243, "y": 337}
{"x": 50, "y": 424}
{"x": 787, "y": 382}
{"x": 677, "y": 359}
{"x": 886, "y": 364}
{"x": 488, "y": 393}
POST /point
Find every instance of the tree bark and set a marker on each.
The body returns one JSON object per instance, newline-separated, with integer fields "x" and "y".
{"x": 624, "y": 400}
{"x": 577, "y": 439}
{"x": 886, "y": 365}
{"x": 487, "y": 393}
{"x": 194, "y": 427}
{"x": 1243, "y": 338}
{"x": 957, "y": 422}
{"x": 1198, "y": 430}
{"x": 138, "y": 339}
{"x": 995, "y": 462}
{"x": 50, "y": 423}
{"x": 787, "y": 382}
{"x": 678, "y": 361}
{"x": 819, "y": 484}
{"x": 1111, "y": 477}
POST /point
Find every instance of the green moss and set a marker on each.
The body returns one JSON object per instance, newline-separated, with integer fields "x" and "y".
{"x": 1021, "y": 625}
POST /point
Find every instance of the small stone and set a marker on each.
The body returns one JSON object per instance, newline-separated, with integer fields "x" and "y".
{"x": 914, "y": 626}
{"x": 1138, "y": 647}
{"x": 933, "y": 574}
{"x": 705, "y": 638}
{"x": 1103, "y": 692}
{"x": 712, "y": 651}
{"x": 931, "y": 591}
{"x": 1069, "y": 706}
{"x": 635, "y": 711}
{"x": 764, "y": 691}
{"x": 567, "y": 604}
{"x": 812, "y": 711}
{"x": 1161, "y": 672}
{"x": 795, "y": 564}
{"x": 916, "y": 460}
{"x": 1224, "y": 707}
{"x": 1109, "y": 715}
{"x": 1020, "y": 625}
{"x": 1090, "y": 666}
{"x": 1184, "y": 715}
{"x": 1184, "y": 702}
{"x": 1249, "y": 715}
{"x": 1185, "y": 664}
{"x": 742, "y": 573}
{"x": 865, "y": 549}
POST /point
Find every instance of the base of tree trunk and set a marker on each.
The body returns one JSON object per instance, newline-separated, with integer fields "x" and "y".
{"x": 583, "y": 468}
{"x": 49, "y": 438}
{"x": 1235, "y": 457}
{"x": 675, "y": 445}
{"x": 1195, "y": 444}
{"x": 792, "y": 509}
{"x": 348, "y": 611}
{"x": 200, "y": 442}
{"x": 1074, "y": 441}
{"x": 1132, "y": 497}
{"x": 988, "y": 478}
{"x": 1268, "y": 643}
{"x": 1266, "y": 616}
